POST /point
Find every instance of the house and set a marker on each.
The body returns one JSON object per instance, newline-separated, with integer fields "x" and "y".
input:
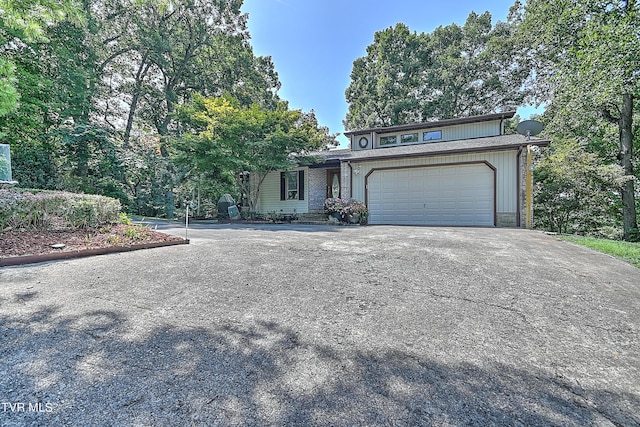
{"x": 459, "y": 172}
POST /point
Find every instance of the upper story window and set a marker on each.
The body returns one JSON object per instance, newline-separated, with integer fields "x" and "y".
{"x": 409, "y": 137}
{"x": 388, "y": 140}
{"x": 433, "y": 135}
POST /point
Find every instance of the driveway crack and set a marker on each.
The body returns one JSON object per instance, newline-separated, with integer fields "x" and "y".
{"x": 479, "y": 302}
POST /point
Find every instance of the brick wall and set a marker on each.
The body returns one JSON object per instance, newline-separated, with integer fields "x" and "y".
{"x": 317, "y": 189}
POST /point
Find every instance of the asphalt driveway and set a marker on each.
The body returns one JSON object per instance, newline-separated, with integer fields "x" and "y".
{"x": 303, "y": 325}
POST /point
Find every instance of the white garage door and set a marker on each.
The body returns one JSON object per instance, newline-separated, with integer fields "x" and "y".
{"x": 435, "y": 195}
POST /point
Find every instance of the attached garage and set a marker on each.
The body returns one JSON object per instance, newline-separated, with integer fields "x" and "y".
{"x": 455, "y": 194}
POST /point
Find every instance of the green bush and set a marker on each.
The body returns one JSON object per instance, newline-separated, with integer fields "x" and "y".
{"x": 51, "y": 210}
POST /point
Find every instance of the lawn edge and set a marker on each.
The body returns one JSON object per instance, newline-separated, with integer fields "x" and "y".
{"x": 33, "y": 259}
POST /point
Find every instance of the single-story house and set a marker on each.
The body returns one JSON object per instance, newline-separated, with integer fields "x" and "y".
{"x": 462, "y": 172}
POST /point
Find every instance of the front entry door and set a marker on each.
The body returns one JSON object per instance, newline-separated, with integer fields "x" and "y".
{"x": 333, "y": 183}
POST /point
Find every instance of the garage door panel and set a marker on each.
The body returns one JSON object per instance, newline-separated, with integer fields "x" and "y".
{"x": 437, "y": 195}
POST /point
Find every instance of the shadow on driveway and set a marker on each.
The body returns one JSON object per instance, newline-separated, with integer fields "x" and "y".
{"x": 163, "y": 224}
{"x": 99, "y": 368}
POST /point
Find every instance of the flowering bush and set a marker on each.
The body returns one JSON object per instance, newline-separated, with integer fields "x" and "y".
{"x": 334, "y": 204}
{"x": 357, "y": 210}
{"x": 347, "y": 209}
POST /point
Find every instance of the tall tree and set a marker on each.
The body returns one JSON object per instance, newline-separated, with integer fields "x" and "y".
{"x": 453, "y": 72}
{"x": 385, "y": 84}
{"x": 226, "y": 137}
{"x": 156, "y": 54}
{"x": 585, "y": 55}
{"x": 474, "y": 70}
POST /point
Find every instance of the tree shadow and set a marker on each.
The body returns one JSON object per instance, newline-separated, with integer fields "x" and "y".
{"x": 164, "y": 225}
{"x": 100, "y": 368}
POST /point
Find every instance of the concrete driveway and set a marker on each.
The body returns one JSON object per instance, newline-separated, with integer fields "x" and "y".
{"x": 303, "y": 325}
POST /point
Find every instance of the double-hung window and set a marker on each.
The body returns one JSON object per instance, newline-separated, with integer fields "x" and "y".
{"x": 292, "y": 185}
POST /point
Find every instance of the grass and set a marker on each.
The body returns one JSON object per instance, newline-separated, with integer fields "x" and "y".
{"x": 625, "y": 250}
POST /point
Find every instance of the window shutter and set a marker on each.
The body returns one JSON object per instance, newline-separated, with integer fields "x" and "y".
{"x": 300, "y": 185}
{"x": 283, "y": 186}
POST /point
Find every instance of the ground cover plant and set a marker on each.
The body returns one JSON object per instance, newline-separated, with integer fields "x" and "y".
{"x": 628, "y": 251}
{"x": 38, "y": 223}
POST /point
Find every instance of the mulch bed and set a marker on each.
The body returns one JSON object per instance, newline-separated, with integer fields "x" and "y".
{"x": 27, "y": 243}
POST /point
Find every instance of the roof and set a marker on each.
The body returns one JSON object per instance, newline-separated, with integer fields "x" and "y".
{"x": 330, "y": 158}
{"x": 436, "y": 123}
{"x": 459, "y": 146}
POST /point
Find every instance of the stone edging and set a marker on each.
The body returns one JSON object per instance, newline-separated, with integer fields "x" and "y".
{"x": 54, "y": 256}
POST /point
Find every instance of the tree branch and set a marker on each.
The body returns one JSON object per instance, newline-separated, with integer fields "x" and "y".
{"x": 606, "y": 113}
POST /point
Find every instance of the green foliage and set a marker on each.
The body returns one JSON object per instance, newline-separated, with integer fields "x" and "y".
{"x": 628, "y": 251}
{"x": 25, "y": 22}
{"x": 575, "y": 192}
{"x": 453, "y": 72}
{"x": 225, "y": 138}
{"x": 584, "y": 62}
{"x": 136, "y": 232}
{"x": 99, "y": 84}
{"x": 124, "y": 219}
{"x": 8, "y": 93}
{"x": 55, "y": 210}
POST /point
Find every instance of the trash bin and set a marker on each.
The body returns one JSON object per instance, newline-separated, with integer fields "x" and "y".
{"x": 223, "y": 205}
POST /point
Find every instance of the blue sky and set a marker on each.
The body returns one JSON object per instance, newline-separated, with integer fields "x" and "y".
{"x": 313, "y": 43}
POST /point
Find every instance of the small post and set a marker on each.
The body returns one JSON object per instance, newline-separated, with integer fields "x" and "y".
{"x": 186, "y": 224}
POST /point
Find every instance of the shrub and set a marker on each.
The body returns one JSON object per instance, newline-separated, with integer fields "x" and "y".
{"x": 356, "y": 209}
{"x": 347, "y": 208}
{"x": 334, "y": 204}
{"x": 55, "y": 210}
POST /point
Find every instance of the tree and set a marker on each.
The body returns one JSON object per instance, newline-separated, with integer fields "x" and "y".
{"x": 225, "y": 138}
{"x": 155, "y": 54}
{"x": 22, "y": 22}
{"x": 584, "y": 56}
{"x": 455, "y": 71}
{"x": 57, "y": 81}
{"x": 575, "y": 192}
{"x": 385, "y": 84}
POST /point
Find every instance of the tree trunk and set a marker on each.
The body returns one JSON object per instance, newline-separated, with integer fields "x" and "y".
{"x": 625, "y": 125}
{"x": 142, "y": 71}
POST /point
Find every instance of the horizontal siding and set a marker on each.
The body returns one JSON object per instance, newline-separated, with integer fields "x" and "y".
{"x": 503, "y": 161}
{"x": 269, "y": 198}
{"x": 449, "y": 133}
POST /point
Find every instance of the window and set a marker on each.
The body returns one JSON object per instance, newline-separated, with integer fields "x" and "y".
{"x": 409, "y": 137}
{"x": 432, "y": 135}
{"x": 292, "y": 185}
{"x": 388, "y": 140}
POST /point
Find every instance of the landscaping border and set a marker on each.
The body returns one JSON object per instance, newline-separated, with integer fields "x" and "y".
{"x": 55, "y": 256}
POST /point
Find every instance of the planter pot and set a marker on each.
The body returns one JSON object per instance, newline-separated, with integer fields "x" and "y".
{"x": 336, "y": 215}
{"x": 354, "y": 219}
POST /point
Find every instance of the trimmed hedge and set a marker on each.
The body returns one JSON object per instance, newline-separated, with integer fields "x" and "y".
{"x": 55, "y": 210}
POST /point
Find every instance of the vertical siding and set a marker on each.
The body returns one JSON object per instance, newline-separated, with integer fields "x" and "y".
{"x": 503, "y": 161}
{"x": 269, "y": 198}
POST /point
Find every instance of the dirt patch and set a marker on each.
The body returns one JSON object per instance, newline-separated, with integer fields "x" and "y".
{"x": 16, "y": 243}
